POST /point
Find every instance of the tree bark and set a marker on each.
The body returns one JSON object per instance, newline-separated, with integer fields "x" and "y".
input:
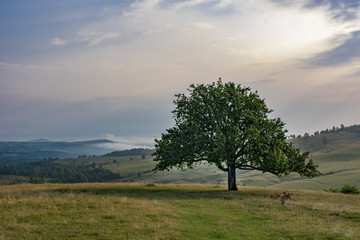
{"x": 232, "y": 178}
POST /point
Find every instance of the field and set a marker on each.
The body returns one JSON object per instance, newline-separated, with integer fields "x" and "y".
{"x": 139, "y": 169}
{"x": 336, "y": 152}
{"x": 339, "y": 166}
{"x": 336, "y": 171}
{"x": 149, "y": 211}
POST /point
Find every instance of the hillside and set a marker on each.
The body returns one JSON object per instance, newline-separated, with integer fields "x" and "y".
{"x": 17, "y": 152}
{"x": 336, "y": 151}
{"x": 131, "y": 152}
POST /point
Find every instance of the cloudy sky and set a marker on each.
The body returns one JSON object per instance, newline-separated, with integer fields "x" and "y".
{"x": 76, "y": 69}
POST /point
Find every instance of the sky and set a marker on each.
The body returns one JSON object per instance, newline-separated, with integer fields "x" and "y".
{"x": 89, "y": 69}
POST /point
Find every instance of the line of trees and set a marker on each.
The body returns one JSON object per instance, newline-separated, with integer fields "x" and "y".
{"x": 56, "y": 172}
{"x": 353, "y": 128}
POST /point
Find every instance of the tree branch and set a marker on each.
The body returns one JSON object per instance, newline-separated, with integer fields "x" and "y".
{"x": 249, "y": 167}
{"x": 219, "y": 166}
{"x": 222, "y": 168}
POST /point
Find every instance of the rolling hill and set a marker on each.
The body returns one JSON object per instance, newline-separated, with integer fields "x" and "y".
{"x": 17, "y": 152}
{"x": 336, "y": 151}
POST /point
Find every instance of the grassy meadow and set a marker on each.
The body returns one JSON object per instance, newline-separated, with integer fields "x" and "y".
{"x": 152, "y": 211}
{"x": 337, "y": 154}
{"x": 143, "y": 204}
{"x": 139, "y": 169}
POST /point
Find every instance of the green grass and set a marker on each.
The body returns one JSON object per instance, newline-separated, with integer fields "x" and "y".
{"x": 336, "y": 171}
{"x": 138, "y": 169}
{"x": 140, "y": 211}
{"x": 338, "y": 160}
{"x": 126, "y": 166}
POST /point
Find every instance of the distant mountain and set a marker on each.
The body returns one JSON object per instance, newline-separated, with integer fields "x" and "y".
{"x": 15, "y": 152}
{"x": 131, "y": 152}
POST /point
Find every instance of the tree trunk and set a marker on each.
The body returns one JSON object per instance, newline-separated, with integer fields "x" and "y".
{"x": 232, "y": 178}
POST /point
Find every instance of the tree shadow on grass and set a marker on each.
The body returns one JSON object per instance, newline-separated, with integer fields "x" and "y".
{"x": 167, "y": 193}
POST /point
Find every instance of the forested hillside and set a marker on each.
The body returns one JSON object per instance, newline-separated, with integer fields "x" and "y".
{"x": 131, "y": 152}
{"x": 334, "y": 137}
{"x": 17, "y": 152}
{"x": 52, "y": 170}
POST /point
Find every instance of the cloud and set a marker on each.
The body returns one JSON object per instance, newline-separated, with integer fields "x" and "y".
{"x": 94, "y": 37}
{"x": 210, "y": 7}
{"x": 338, "y": 10}
{"x": 145, "y": 3}
{"x": 344, "y": 53}
{"x": 58, "y": 41}
{"x": 123, "y": 143}
{"x": 203, "y": 25}
{"x": 357, "y": 74}
{"x": 342, "y": 46}
{"x": 224, "y": 3}
{"x": 23, "y": 117}
{"x": 152, "y": 49}
{"x": 189, "y": 3}
{"x": 328, "y": 104}
{"x": 141, "y": 7}
{"x": 343, "y": 10}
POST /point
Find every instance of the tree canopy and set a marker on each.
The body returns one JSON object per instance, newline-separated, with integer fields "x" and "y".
{"x": 228, "y": 126}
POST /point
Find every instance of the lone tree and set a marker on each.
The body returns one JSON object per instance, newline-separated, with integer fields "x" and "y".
{"x": 227, "y": 125}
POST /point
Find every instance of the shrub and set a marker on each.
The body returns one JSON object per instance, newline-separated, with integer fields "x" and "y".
{"x": 150, "y": 185}
{"x": 334, "y": 190}
{"x": 347, "y": 189}
{"x": 55, "y": 180}
{"x": 38, "y": 180}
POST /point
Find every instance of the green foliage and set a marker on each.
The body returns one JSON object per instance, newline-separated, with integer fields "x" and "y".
{"x": 131, "y": 152}
{"x": 354, "y": 129}
{"x": 38, "y": 180}
{"x": 346, "y": 189}
{"x": 150, "y": 185}
{"x": 333, "y": 190}
{"x": 350, "y": 189}
{"x": 54, "y": 180}
{"x": 227, "y": 125}
{"x": 66, "y": 173}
